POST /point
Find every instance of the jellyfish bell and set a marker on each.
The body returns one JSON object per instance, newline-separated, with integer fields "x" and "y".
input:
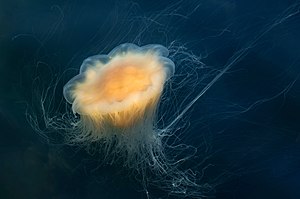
{"x": 116, "y": 96}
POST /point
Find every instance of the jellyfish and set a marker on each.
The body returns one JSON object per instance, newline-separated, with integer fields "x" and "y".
{"x": 116, "y": 96}
{"x": 113, "y": 110}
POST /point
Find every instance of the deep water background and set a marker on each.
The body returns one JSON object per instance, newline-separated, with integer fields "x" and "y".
{"x": 247, "y": 123}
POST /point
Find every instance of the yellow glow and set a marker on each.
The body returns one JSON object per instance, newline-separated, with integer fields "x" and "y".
{"x": 122, "y": 81}
{"x": 122, "y": 90}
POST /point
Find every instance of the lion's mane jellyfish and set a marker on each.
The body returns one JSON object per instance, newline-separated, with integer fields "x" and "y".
{"x": 116, "y": 96}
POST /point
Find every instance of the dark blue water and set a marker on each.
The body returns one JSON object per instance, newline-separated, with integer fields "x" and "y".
{"x": 246, "y": 126}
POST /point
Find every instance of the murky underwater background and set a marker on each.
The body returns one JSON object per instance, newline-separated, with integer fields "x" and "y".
{"x": 246, "y": 126}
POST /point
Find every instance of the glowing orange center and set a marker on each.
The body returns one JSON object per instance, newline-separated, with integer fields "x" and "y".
{"x": 120, "y": 82}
